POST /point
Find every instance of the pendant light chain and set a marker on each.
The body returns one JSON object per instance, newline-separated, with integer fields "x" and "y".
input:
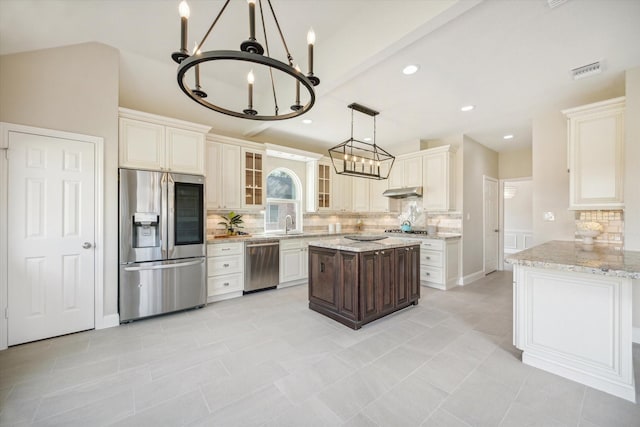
{"x": 266, "y": 45}
{"x": 284, "y": 42}
{"x": 215, "y": 21}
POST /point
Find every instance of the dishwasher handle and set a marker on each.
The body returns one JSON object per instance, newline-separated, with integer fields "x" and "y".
{"x": 259, "y": 245}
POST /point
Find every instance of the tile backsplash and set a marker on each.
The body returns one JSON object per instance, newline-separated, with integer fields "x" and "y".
{"x": 350, "y": 221}
{"x": 612, "y": 222}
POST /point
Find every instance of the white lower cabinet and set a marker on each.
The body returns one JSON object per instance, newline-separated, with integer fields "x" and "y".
{"x": 225, "y": 271}
{"x": 294, "y": 264}
{"x": 440, "y": 263}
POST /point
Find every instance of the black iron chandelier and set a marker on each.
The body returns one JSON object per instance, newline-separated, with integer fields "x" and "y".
{"x": 359, "y": 158}
{"x": 252, "y": 53}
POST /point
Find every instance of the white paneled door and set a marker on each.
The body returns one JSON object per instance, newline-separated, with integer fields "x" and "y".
{"x": 51, "y": 237}
{"x": 491, "y": 230}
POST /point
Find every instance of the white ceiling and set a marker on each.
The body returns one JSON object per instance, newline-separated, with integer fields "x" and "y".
{"x": 508, "y": 58}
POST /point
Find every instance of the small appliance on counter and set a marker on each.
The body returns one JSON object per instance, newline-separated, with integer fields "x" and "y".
{"x": 162, "y": 243}
{"x": 405, "y": 227}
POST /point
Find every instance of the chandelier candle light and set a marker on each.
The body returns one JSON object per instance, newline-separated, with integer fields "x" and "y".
{"x": 250, "y": 51}
{"x": 358, "y": 158}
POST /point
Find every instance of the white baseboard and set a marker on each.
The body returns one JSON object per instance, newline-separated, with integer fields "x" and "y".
{"x": 465, "y": 280}
{"x": 109, "y": 321}
{"x": 635, "y": 335}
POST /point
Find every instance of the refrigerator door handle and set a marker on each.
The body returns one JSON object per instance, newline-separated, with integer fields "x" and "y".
{"x": 171, "y": 211}
{"x": 163, "y": 219}
{"x": 165, "y": 266}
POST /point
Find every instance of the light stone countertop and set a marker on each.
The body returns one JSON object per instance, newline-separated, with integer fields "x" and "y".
{"x": 605, "y": 260}
{"x": 273, "y": 236}
{"x": 344, "y": 244}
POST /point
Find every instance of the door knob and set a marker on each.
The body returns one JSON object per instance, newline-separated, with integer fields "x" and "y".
{"x": 86, "y": 245}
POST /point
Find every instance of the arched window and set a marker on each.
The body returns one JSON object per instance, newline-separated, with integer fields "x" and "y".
{"x": 283, "y": 199}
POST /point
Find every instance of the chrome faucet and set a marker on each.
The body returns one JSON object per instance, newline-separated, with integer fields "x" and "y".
{"x": 286, "y": 229}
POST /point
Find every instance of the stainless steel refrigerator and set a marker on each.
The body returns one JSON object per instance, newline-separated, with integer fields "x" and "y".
{"x": 162, "y": 243}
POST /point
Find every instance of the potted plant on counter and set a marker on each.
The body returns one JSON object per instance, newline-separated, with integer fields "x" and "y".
{"x": 232, "y": 221}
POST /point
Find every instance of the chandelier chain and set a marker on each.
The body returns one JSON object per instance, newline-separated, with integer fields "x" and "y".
{"x": 266, "y": 45}
{"x": 215, "y": 21}
{"x": 284, "y": 42}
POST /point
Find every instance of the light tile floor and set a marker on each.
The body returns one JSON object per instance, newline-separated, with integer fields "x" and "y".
{"x": 267, "y": 360}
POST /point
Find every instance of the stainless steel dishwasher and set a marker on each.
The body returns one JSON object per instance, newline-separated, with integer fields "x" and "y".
{"x": 262, "y": 265}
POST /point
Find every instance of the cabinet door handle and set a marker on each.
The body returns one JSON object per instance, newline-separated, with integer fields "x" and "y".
{"x": 428, "y": 257}
{"x": 428, "y": 274}
{"x": 225, "y": 249}
{"x": 322, "y": 267}
{"x": 376, "y": 253}
{"x": 225, "y": 265}
{"x": 406, "y": 249}
{"x": 225, "y": 284}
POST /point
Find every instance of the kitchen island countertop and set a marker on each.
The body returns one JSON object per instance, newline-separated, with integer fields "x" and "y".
{"x": 603, "y": 260}
{"x": 344, "y": 244}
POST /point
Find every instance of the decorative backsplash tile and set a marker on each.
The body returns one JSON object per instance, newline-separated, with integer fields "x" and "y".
{"x": 612, "y": 223}
{"x": 349, "y": 221}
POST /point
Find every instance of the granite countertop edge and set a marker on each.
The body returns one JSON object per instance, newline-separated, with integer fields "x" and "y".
{"x": 262, "y": 237}
{"x": 571, "y": 256}
{"x": 343, "y": 244}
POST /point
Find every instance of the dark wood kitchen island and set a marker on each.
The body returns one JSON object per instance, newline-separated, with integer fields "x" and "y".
{"x": 356, "y": 282}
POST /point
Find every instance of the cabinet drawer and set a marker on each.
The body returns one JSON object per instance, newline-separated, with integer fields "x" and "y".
{"x": 432, "y": 244}
{"x": 292, "y": 244}
{"x": 223, "y": 284}
{"x": 431, "y": 274}
{"x": 431, "y": 258}
{"x": 224, "y": 265}
{"x": 224, "y": 249}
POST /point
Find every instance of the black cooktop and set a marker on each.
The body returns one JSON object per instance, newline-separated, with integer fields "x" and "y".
{"x": 413, "y": 231}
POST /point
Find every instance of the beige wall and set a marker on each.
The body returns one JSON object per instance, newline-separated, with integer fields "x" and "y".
{"x": 515, "y": 164}
{"x": 73, "y": 89}
{"x": 632, "y": 178}
{"x": 632, "y": 158}
{"x": 478, "y": 160}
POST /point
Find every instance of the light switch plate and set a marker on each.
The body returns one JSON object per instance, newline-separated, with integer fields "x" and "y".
{"x": 548, "y": 216}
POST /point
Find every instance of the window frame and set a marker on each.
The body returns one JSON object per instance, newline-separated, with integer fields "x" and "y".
{"x": 296, "y": 202}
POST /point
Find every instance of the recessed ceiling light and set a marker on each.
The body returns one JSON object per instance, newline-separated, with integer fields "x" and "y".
{"x": 468, "y": 108}
{"x": 367, "y": 139}
{"x": 307, "y": 121}
{"x": 508, "y": 136}
{"x": 410, "y": 69}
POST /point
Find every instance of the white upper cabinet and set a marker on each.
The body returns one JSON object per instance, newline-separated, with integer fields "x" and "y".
{"x": 595, "y": 155}
{"x": 147, "y": 141}
{"x": 367, "y": 194}
{"x": 438, "y": 173}
{"x": 223, "y": 176}
{"x": 342, "y": 190}
{"x": 253, "y": 179}
{"x": 406, "y": 171}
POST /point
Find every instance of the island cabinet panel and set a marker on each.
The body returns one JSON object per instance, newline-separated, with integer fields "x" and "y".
{"x": 407, "y": 275}
{"x": 363, "y": 286}
{"x": 348, "y": 285}
{"x": 324, "y": 268}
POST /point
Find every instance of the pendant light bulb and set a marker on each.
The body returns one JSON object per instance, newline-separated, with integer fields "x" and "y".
{"x": 250, "y": 77}
{"x": 183, "y": 9}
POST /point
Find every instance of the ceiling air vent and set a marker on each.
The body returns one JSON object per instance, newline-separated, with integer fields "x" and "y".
{"x": 555, "y": 3}
{"x": 586, "y": 70}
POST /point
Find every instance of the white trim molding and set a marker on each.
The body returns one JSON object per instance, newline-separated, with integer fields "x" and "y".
{"x": 469, "y": 278}
{"x": 100, "y": 319}
{"x": 636, "y": 335}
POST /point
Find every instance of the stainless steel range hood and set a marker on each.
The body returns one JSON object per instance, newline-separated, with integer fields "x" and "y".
{"x": 401, "y": 193}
